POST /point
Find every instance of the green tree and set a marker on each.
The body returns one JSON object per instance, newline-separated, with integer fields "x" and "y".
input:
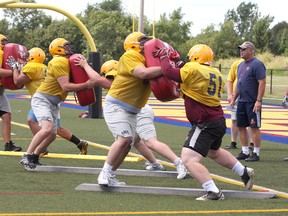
{"x": 108, "y": 29}
{"x": 261, "y": 33}
{"x": 278, "y": 33}
{"x": 23, "y": 19}
{"x": 245, "y": 18}
{"x": 226, "y": 41}
{"x": 111, "y": 5}
{"x": 173, "y": 29}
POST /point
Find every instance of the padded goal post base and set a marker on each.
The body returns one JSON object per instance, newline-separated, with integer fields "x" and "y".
{"x": 173, "y": 191}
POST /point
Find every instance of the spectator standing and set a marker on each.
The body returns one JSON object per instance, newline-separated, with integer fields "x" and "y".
{"x": 231, "y": 85}
{"x": 250, "y": 89}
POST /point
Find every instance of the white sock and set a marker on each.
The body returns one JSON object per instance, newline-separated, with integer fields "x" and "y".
{"x": 210, "y": 186}
{"x": 177, "y": 161}
{"x": 256, "y": 150}
{"x": 245, "y": 150}
{"x": 107, "y": 167}
{"x": 238, "y": 168}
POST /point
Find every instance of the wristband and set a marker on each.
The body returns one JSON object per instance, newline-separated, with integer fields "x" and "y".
{"x": 259, "y": 100}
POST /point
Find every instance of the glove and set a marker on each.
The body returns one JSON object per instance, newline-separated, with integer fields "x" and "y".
{"x": 285, "y": 102}
{"x": 179, "y": 63}
{"x": 161, "y": 53}
{"x": 12, "y": 63}
{"x": 174, "y": 55}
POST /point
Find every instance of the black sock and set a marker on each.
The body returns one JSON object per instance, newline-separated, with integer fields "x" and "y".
{"x": 34, "y": 158}
{"x": 75, "y": 140}
{"x": 233, "y": 143}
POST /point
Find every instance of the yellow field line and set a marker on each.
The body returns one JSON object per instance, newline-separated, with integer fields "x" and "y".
{"x": 197, "y": 212}
{"x": 71, "y": 156}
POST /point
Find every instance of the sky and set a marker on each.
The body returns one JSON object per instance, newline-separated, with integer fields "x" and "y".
{"x": 200, "y": 13}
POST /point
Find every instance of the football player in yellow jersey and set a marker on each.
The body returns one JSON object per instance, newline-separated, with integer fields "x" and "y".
{"x": 202, "y": 87}
{"x": 146, "y": 132}
{"x": 45, "y": 102}
{"x": 32, "y": 75}
{"x": 128, "y": 93}
{"x": 5, "y": 110}
{"x": 231, "y": 85}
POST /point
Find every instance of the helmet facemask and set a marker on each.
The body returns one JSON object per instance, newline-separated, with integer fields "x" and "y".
{"x": 69, "y": 48}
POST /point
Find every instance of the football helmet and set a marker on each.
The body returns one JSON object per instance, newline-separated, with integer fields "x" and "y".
{"x": 3, "y": 40}
{"x": 61, "y": 46}
{"x": 109, "y": 68}
{"x": 135, "y": 41}
{"x": 36, "y": 55}
{"x": 201, "y": 53}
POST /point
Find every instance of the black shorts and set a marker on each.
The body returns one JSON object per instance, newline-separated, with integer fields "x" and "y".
{"x": 246, "y": 117}
{"x": 2, "y": 112}
{"x": 205, "y": 136}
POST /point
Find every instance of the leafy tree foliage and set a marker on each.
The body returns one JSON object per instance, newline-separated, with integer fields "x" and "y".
{"x": 23, "y": 19}
{"x": 277, "y": 38}
{"x": 262, "y": 33}
{"x": 172, "y": 29}
{"x": 109, "y": 25}
{"x": 226, "y": 41}
{"x": 245, "y": 17}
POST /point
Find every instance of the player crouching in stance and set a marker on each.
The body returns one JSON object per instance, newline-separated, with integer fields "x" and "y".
{"x": 202, "y": 87}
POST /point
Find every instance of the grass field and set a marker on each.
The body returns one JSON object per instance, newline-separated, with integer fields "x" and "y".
{"x": 47, "y": 193}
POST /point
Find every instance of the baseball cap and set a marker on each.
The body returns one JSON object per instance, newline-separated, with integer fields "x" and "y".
{"x": 247, "y": 44}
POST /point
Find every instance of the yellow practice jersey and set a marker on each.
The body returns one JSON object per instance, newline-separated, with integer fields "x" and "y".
{"x": 127, "y": 87}
{"x": 232, "y": 75}
{"x": 202, "y": 83}
{"x": 36, "y": 73}
{"x": 57, "y": 67}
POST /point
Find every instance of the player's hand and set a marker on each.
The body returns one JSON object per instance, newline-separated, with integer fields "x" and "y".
{"x": 285, "y": 102}
{"x": 161, "y": 53}
{"x": 90, "y": 84}
{"x": 174, "y": 55}
{"x": 12, "y": 63}
{"x": 80, "y": 61}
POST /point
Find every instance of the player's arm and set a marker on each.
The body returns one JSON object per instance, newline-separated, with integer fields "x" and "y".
{"x": 5, "y": 72}
{"x": 167, "y": 69}
{"x": 234, "y": 98}
{"x": 229, "y": 90}
{"x": 261, "y": 89}
{"x": 143, "y": 72}
{"x": 67, "y": 86}
{"x": 93, "y": 75}
{"x": 20, "y": 78}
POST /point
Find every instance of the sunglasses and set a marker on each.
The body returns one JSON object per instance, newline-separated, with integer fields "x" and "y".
{"x": 243, "y": 49}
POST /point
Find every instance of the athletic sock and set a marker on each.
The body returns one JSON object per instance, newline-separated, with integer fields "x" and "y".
{"x": 210, "y": 186}
{"x": 75, "y": 140}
